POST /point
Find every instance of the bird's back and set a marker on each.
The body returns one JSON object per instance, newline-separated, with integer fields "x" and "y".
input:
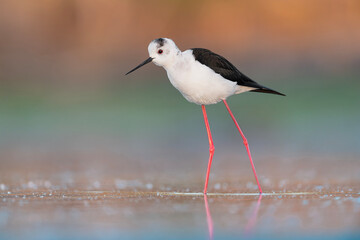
{"x": 228, "y": 71}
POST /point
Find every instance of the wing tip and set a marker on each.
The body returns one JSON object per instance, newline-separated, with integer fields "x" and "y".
{"x": 267, "y": 90}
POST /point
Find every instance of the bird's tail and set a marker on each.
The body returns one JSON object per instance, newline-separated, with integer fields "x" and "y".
{"x": 267, "y": 90}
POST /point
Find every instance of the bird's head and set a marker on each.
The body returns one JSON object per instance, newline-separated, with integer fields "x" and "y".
{"x": 162, "y": 52}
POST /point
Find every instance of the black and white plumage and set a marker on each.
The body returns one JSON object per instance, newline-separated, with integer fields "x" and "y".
{"x": 202, "y": 77}
{"x": 228, "y": 71}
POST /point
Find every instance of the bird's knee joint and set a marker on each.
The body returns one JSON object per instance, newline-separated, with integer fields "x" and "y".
{"x": 212, "y": 149}
{"x": 245, "y": 142}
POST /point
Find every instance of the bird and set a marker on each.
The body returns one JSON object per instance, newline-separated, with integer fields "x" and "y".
{"x": 203, "y": 77}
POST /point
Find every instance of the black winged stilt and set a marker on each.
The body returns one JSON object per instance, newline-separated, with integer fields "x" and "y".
{"x": 204, "y": 78}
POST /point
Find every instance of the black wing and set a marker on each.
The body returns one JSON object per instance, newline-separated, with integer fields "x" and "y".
{"x": 223, "y": 67}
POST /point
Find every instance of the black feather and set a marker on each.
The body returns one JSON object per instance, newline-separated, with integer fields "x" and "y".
{"x": 160, "y": 41}
{"x": 228, "y": 71}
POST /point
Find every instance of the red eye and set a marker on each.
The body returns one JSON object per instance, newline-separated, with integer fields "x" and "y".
{"x": 160, "y": 51}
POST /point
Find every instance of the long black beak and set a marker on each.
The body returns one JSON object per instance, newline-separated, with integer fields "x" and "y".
{"x": 141, "y": 64}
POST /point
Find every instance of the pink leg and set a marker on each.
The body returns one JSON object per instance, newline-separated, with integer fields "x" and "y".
{"x": 211, "y": 147}
{"x": 245, "y": 143}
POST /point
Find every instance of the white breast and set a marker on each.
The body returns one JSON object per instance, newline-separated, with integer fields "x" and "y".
{"x": 198, "y": 83}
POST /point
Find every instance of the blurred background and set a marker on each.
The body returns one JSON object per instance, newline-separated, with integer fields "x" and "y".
{"x": 70, "y": 120}
{"x": 66, "y": 104}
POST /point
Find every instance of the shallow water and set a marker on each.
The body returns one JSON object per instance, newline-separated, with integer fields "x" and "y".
{"x": 111, "y": 214}
{"x": 88, "y": 204}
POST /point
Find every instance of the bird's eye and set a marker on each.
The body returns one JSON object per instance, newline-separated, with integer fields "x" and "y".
{"x": 160, "y": 51}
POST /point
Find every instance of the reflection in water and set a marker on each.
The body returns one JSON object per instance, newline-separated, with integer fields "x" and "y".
{"x": 249, "y": 226}
{"x": 252, "y": 221}
{"x": 209, "y": 218}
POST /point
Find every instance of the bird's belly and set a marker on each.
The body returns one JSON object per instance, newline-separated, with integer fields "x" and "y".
{"x": 202, "y": 85}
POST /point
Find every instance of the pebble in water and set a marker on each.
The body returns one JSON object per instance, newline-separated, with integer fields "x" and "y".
{"x": 96, "y": 184}
{"x": 3, "y": 187}
{"x": 32, "y": 185}
{"x": 217, "y": 186}
{"x": 149, "y": 186}
{"x": 47, "y": 184}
